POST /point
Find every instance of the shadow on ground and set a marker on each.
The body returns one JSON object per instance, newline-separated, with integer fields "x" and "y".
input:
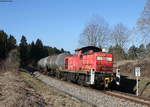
{"x": 30, "y": 69}
{"x": 126, "y": 85}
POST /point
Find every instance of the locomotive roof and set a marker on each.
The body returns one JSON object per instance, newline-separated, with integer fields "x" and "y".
{"x": 89, "y": 48}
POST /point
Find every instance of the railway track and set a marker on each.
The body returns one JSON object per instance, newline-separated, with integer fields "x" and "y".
{"x": 119, "y": 95}
{"x": 125, "y": 96}
{"x": 94, "y": 96}
{"x": 130, "y": 97}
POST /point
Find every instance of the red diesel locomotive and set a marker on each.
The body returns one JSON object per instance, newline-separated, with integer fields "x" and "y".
{"x": 90, "y": 66}
{"x": 88, "y": 58}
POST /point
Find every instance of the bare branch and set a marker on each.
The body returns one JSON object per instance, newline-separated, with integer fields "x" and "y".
{"x": 143, "y": 23}
{"x": 120, "y": 35}
{"x": 95, "y": 33}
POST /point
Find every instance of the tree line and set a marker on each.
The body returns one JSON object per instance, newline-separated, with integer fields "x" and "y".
{"x": 118, "y": 39}
{"x": 29, "y": 53}
{"x": 132, "y": 53}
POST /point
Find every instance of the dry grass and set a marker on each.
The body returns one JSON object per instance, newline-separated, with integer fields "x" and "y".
{"x": 20, "y": 89}
{"x": 127, "y": 68}
{"x": 52, "y": 96}
{"x": 14, "y": 92}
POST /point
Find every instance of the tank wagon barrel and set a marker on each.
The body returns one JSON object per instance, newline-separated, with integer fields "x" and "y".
{"x": 42, "y": 63}
{"x": 53, "y": 62}
{"x": 57, "y": 61}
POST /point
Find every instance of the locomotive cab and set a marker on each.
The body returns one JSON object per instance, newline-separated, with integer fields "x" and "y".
{"x": 93, "y": 58}
{"x": 88, "y": 50}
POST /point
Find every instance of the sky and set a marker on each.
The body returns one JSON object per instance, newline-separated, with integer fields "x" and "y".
{"x": 59, "y": 23}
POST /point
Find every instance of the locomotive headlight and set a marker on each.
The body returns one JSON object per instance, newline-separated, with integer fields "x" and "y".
{"x": 109, "y": 59}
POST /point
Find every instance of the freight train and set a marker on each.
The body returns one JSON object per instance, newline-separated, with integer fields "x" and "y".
{"x": 89, "y": 66}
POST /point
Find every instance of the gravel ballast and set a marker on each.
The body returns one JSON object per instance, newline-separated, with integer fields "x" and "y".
{"x": 92, "y": 97}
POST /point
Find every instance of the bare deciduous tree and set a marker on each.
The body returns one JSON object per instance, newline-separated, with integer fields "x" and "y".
{"x": 143, "y": 23}
{"x": 120, "y": 35}
{"x": 95, "y": 33}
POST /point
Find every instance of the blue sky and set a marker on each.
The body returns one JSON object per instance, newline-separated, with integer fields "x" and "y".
{"x": 59, "y": 22}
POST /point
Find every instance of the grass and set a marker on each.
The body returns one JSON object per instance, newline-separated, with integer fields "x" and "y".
{"x": 51, "y": 95}
{"x": 35, "y": 83}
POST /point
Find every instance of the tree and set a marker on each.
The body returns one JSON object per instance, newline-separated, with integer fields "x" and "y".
{"x": 3, "y": 44}
{"x": 118, "y": 52}
{"x": 24, "y": 52}
{"x": 28, "y": 53}
{"x": 7, "y": 43}
{"x": 39, "y": 49}
{"x": 32, "y": 53}
{"x": 120, "y": 35}
{"x": 96, "y": 33}
{"x": 143, "y": 23}
{"x": 56, "y": 51}
{"x": 62, "y": 50}
{"x": 141, "y": 51}
{"x": 148, "y": 49}
{"x": 133, "y": 52}
{"x": 11, "y": 42}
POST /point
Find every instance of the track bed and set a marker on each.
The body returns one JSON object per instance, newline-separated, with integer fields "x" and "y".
{"x": 92, "y": 96}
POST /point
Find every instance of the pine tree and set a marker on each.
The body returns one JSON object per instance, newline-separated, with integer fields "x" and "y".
{"x": 11, "y": 42}
{"x": 32, "y": 51}
{"x": 148, "y": 50}
{"x": 24, "y": 52}
{"x": 141, "y": 51}
{"x": 7, "y": 43}
{"x": 118, "y": 52}
{"x": 132, "y": 52}
{"x": 39, "y": 49}
{"x": 3, "y": 44}
{"x": 62, "y": 50}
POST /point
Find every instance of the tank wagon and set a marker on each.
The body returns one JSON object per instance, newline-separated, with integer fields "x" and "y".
{"x": 89, "y": 66}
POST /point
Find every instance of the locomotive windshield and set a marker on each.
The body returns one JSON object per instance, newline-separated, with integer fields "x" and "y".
{"x": 85, "y": 50}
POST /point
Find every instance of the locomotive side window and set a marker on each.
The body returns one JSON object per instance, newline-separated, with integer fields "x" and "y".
{"x": 109, "y": 58}
{"x": 99, "y": 58}
{"x": 81, "y": 57}
{"x": 85, "y": 50}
